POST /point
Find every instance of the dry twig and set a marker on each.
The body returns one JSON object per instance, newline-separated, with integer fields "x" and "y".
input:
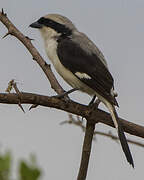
{"x": 12, "y": 84}
{"x": 77, "y": 122}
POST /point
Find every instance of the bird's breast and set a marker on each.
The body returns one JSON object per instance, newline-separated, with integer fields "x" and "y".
{"x": 51, "y": 50}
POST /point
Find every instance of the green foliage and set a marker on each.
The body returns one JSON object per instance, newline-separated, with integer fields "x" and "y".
{"x": 29, "y": 171}
{"x": 26, "y": 170}
{"x": 5, "y": 166}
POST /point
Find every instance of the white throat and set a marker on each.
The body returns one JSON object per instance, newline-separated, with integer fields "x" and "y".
{"x": 50, "y": 41}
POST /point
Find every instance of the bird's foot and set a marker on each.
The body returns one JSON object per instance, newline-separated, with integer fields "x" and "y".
{"x": 92, "y": 101}
{"x": 94, "y": 104}
{"x": 65, "y": 94}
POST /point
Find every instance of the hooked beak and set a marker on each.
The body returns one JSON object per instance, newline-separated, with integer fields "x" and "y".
{"x": 35, "y": 25}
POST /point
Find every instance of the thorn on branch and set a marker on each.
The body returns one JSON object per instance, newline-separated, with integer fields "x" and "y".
{"x": 33, "y": 106}
{"x": 6, "y": 35}
{"x": 19, "y": 104}
{"x": 46, "y": 64}
{"x": 3, "y": 12}
{"x": 29, "y": 38}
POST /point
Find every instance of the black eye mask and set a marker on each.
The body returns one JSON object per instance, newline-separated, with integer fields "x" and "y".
{"x": 60, "y": 28}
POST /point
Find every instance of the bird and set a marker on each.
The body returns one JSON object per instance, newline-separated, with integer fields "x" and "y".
{"x": 81, "y": 64}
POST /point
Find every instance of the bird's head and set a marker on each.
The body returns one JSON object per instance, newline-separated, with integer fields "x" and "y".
{"x": 54, "y": 25}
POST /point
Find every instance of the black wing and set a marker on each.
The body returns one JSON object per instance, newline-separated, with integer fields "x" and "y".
{"x": 74, "y": 58}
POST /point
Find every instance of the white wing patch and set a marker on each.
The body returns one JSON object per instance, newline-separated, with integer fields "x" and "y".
{"x": 82, "y": 75}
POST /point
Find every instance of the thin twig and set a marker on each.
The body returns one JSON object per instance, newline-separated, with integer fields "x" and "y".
{"x": 12, "y": 84}
{"x": 80, "y": 124}
{"x": 19, "y": 95}
{"x": 113, "y": 137}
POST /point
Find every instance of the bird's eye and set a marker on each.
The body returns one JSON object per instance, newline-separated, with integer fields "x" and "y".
{"x": 50, "y": 22}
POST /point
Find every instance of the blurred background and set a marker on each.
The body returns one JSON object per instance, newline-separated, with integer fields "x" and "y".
{"x": 117, "y": 28}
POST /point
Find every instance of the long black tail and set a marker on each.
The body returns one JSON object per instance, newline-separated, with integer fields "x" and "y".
{"x": 121, "y": 134}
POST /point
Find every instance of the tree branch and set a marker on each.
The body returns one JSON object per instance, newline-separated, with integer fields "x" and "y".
{"x": 71, "y": 107}
{"x": 90, "y": 127}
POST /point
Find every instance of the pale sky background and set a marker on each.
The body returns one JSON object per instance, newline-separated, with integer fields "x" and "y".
{"x": 117, "y": 27}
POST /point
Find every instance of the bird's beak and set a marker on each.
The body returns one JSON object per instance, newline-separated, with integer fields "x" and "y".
{"x": 36, "y": 25}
